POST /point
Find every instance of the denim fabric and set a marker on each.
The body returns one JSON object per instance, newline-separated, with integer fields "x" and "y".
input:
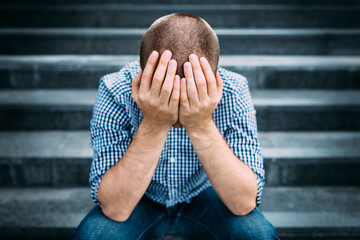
{"x": 206, "y": 217}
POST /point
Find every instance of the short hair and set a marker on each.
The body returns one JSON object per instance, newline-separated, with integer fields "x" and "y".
{"x": 182, "y": 34}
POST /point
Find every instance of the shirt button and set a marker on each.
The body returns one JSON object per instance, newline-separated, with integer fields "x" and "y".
{"x": 172, "y": 160}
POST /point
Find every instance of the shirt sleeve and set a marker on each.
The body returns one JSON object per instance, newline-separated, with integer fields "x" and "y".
{"x": 241, "y": 136}
{"x": 110, "y": 135}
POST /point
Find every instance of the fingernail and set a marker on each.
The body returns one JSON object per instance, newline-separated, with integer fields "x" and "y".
{"x": 203, "y": 60}
{"x": 192, "y": 57}
{"x": 187, "y": 66}
{"x": 177, "y": 78}
{"x": 153, "y": 55}
{"x": 167, "y": 54}
{"x": 183, "y": 81}
{"x": 172, "y": 63}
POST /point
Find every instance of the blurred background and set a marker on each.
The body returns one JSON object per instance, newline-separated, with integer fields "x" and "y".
{"x": 302, "y": 61}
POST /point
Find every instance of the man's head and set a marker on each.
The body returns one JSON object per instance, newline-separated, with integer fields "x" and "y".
{"x": 182, "y": 34}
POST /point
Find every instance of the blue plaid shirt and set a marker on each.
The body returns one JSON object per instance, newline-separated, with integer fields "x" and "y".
{"x": 179, "y": 175}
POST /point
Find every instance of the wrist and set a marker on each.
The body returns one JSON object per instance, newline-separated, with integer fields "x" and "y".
{"x": 204, "y": 138}
{"x": 203, "y": 129}
{"x": 155, "y": 128}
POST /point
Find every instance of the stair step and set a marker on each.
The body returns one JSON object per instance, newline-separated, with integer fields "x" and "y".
{"x": 219, "y": 15}
{"x": 127, "y": 41}
{"x": 63, "y": 158}
{"x": 277, "y": 110}
{"x": 265, "y": 2}
{"x": 316, "y": 212}
{"x": 263, "y": 72}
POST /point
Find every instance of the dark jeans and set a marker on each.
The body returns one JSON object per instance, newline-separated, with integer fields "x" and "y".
{"x": 206, "y": 217}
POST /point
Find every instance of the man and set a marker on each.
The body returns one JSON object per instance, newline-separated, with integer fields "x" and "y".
{"x": 175, "y": 144}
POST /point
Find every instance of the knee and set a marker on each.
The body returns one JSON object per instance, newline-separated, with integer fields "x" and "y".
{"x": 253, "y": 226}
{"x": 96, "y": 226}
{"x": 88, "y": 227}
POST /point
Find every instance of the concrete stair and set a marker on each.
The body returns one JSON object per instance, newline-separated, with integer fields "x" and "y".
{"x": 277, "y": 110}
{"x": 127, "y": 41}
{"x": 265, "y": 2}
{"x": 219, "y": 15}
{"x": 63, "y": 158}
{"x": 264, "y": 72}
{"x": 53, "y": 213}
{"x": 302, "y": 61}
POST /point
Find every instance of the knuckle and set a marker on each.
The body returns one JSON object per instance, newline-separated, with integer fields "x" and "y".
{"x": 202, "y": 84}
{"x": 192, "y": 91}
{"x": 141, "y": 98}
{"x": 158, "y": 77}
{"x": 183, "y": 99}
{"x": 174, "y": 99}
{"x": 214, "y": 101}
{"x": 162, "y": 109}
{"x": 166, "y": 90}
{"x": 196, "y": 110}
{"x": 145, "y": 75}
{"x": 152, "y": 102}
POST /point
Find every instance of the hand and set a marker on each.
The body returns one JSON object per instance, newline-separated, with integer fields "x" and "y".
{"x": 157, "y": 94}
{"x": 200, "y": 93}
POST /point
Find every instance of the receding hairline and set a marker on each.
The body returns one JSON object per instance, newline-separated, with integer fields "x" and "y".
{"x": 178, "y": 16}
{"x": 208, "y": 48}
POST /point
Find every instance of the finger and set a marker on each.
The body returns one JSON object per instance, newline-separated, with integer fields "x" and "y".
{"x": 184, "y": 101}
{"x": 175, "y": 95}
{"x": 168, "y": 83}
{"x": 149, "y": 71}
{"x": 199, "y": 77}
{"x": 219, "y": 83}
{"x": 190, "y": 84}
{"x": 160, "y": 72}
{"x": 210, "y": 77}
{"x": 136, "y": 85}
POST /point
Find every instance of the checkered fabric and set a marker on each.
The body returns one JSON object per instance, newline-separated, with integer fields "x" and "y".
{"x": 179, "y": 175}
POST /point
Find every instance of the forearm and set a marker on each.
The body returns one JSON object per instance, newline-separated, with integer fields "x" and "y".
{"x": 123, "y": 186}
{"x": 231, "y": 178}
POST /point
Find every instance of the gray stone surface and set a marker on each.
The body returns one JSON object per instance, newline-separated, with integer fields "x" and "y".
{"x": 305, "y": 98}
{"x": 76, "y": 144}
{"x": 47, "y": 144}
{"x": 284, "y": 2}
{"x": 63, "y": 158}
{"x": 283, "y": 47}
{"x": 260, "y": 97}
{"x": 276, "y": 110}
{"x": 127, "y": 41}
{"x": 289, "y": 209}
{"x": 48, "y": 97}
{"x": 220, "y": 15}
{"x": 262, "y": 72}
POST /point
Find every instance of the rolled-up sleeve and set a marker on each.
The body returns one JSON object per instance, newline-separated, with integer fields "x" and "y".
{"x": 241, "y": 136}
{"x": 110, "y": 135}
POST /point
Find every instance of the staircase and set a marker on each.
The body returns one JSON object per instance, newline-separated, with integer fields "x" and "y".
{"x": 302, "y": 61}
